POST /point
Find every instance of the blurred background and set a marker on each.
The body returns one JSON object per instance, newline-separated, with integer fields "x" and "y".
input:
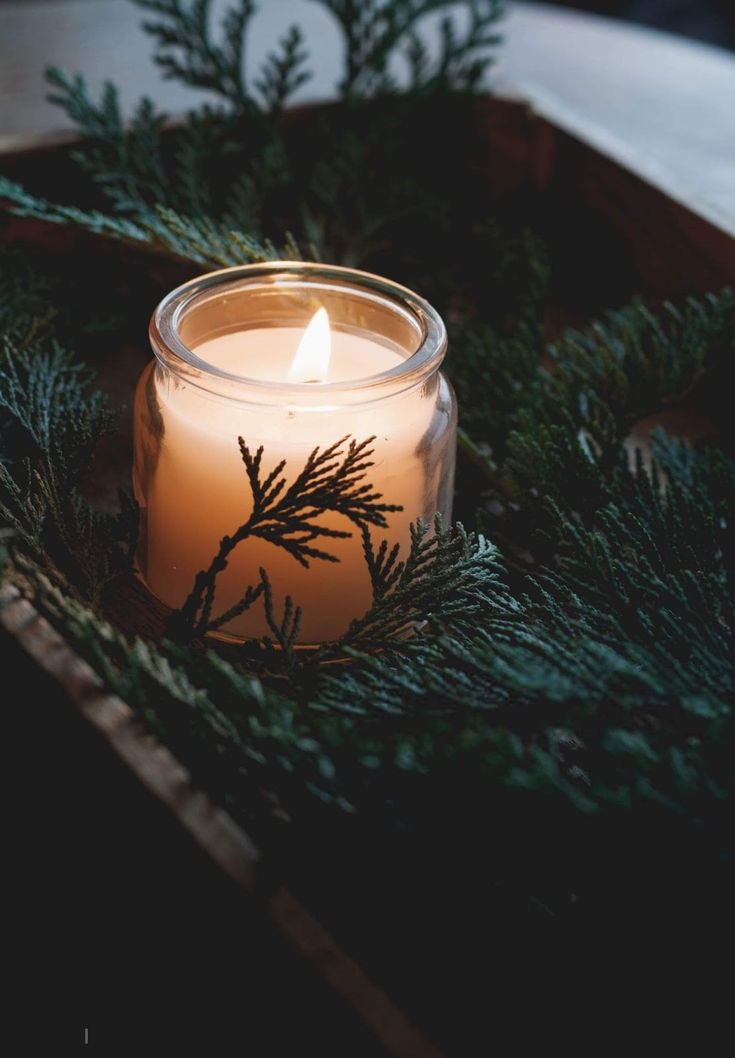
{"x": 708, "y": 20}
{"x": 638, "y": 83}
{"x": 643, "y": 83}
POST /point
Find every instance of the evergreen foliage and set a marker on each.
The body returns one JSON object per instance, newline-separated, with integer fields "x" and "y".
{"x": 602, "y": 670}
{"x": 578, "y": 649}
{"x": 375, "y": 30}
{"x": 211, "y": 189}
{"x": 50, "y": 423}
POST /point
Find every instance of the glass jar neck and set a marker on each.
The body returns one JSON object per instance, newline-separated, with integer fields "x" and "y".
{"x": 285, "y": 294}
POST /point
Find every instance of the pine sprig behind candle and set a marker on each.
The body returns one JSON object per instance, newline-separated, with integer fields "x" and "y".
{"x": 221, "y": 187}
{"x": 283, "y": 72}
{"x": 375, "y": 31}
{"x": 188, "y": 52}
{"x": 125, "y": 158}
{"x": 203, "y": 240}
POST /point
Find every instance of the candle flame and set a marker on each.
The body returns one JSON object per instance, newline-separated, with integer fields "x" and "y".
{"x": 311, "y": 362}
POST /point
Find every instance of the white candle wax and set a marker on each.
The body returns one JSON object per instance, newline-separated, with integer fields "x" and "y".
{"x": 266, "y": 354}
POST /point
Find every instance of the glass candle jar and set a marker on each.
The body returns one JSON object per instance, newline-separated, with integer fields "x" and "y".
{"x": 289, "y": 357}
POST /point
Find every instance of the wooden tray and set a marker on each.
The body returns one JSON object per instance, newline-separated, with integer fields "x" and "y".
{"x": 611, "y": 236}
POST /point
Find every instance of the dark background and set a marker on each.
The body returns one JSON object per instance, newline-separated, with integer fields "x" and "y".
{"x": 708, "y": 20}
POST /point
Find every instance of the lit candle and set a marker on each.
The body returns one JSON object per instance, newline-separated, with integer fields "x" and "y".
{"x": 289, "y": 357}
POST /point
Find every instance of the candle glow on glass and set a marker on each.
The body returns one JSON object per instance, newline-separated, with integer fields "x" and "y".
{"x": 288, "y": 389}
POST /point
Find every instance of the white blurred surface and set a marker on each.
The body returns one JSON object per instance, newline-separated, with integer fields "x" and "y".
{"x": 662, "y": 106}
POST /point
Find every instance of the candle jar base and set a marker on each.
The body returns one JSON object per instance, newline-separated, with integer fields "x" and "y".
{"x": 214, "y": 438}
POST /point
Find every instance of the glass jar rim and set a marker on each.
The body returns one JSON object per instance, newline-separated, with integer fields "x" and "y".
{"x": 173, "y": 353}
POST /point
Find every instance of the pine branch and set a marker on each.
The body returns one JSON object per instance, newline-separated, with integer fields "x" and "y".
{"x": 237, "y": 735}
{"x": 446, "y": 578}
{"x": 56, "y": 422}
{"x": 635, "y": 362}
{"x": 209, "y": 189}
{"x": 250, "y": 596}
{"x": 464, "y": 59}
{"x": 283, "y": 72}
{"x": 214, "y": 244}
{"x": 606, "y": 681}
{"x": 188, "y": 52}
{"x": 550, "y": 431}
{"x": 332, "y": 480}
{"x": 125, "y": 159}
{"x": 172, "y": 212}
{"x": 285, "y": 632}
{"x": 163, "y": 230}
{"x": 374, "y": 31}
{"x": 567, "y": 445}
{"x": 128, "y": 161}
